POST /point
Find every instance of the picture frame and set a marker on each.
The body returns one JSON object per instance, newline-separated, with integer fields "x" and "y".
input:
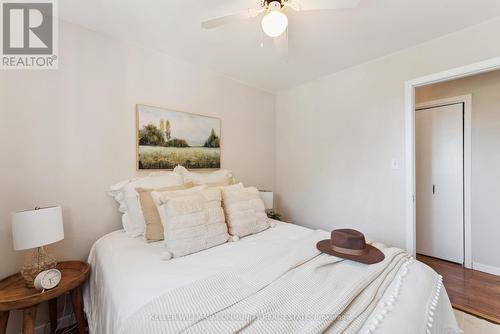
{"x": 166, "y": 138}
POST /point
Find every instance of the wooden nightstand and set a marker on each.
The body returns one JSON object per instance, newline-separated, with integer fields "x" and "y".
{"x": 14, "y": 295}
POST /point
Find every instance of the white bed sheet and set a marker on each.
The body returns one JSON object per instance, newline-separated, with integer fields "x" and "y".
{"x": 127, "y": 273}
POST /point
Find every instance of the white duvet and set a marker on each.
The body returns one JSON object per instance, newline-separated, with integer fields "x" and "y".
{"x": 127, "y": 274}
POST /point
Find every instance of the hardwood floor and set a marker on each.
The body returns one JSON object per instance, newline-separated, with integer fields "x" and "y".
{"x": 469, "y": 290}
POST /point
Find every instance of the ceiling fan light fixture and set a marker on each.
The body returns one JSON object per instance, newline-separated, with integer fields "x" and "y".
{"x": 274, "y": 23}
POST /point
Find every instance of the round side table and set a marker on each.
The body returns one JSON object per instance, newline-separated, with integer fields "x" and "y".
{"x": 14, "y": 295}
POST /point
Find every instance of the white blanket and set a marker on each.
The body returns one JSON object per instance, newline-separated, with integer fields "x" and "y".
{"x": 298, "y": 283}
{"x": 127, "y": 275}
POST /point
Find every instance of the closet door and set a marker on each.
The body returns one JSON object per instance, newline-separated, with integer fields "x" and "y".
{"x": 439, "y": 178}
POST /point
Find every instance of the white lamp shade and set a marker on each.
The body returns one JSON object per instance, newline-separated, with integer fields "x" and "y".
{"x": 36, "y": 228}
{"x": 268, "y": 199}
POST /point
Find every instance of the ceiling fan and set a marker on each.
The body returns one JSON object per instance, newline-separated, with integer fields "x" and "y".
{"x": 275, "y": 21}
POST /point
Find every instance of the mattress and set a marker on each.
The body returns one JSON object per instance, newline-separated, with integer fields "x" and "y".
{"x": 127, "y": 273}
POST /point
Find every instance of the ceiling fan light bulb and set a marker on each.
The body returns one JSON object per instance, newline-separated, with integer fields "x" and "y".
{"x": 274, "y": 23}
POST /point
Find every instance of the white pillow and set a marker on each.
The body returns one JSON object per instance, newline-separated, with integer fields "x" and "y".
{"x": 196, "y": 178}
{"x": 231, "y": 187}
{"x": 157, "y": 198}
{"x": 125, "y": 194}
{"x": 125, "y": 222}
{"x": 192, "y": 221}
{"x": 245, "y": 211}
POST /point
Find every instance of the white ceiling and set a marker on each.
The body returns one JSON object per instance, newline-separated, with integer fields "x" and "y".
{"x": 319, "y": 42}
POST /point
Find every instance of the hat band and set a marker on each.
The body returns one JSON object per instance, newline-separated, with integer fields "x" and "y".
{"x": 348, "y": 250}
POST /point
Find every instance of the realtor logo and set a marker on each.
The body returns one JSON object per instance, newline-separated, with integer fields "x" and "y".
{"x": 29, "y": 34}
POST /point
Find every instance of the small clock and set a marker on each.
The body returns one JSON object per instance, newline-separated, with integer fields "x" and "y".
{"x": 47, "y": 279}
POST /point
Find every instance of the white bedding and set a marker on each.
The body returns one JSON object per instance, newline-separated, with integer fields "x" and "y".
{"x": 127, "y": 274}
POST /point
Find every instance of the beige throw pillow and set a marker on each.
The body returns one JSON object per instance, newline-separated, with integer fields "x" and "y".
{"x": 192, "y": 221}
{"x": 245, "y": 211}
{"x": 153, "y": 227}
{"x": 228, "y": 182}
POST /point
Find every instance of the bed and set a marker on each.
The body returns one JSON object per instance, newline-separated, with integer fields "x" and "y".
{"x": 128, "y": 277}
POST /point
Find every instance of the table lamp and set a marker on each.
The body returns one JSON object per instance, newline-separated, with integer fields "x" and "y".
{"x": 33, "y": 229}
{"x": 268, "y": 199}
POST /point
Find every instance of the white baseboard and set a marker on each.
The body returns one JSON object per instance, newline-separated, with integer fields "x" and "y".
{"x": 485, "y": 268}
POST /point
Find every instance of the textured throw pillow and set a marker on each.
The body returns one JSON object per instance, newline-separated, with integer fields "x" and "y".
{"x": 192, "y": 221}
{"x": 125, "y": 194}
{"x": 156, "y": 196}
{"x": 219, "y": 176}
{"x": 245, "y": 212}
{"x": 153, "y": 227}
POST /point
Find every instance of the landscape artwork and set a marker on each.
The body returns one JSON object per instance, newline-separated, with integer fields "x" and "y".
{"x": 168, "y": 138}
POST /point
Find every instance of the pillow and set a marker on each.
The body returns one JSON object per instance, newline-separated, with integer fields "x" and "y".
{"x": 233, "y": 187}
{"x": 125, "y": 221}
{"x": 156, "y": 196}
{"x": 125, "y": 194}
{"x": 245, "y": 211}
{"x": 192, "y": 221}
{"x": 153, "y": 228}
{"x": 221, "y": 175}
{"x": 226, "y": 183}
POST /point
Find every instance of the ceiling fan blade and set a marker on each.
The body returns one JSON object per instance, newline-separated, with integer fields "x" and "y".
{"x": 223, "y": 20}
{"x": 304, "y": 5}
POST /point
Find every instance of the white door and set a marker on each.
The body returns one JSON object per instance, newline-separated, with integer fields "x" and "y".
{"x": 439, "y": 172}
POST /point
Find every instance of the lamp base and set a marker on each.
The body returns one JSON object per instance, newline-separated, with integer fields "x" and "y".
{"x": 37, "y": 262}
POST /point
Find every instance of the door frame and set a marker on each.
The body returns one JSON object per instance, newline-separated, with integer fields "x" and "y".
{"x": 410, "y": 85}
{"x": 467, "y": 168}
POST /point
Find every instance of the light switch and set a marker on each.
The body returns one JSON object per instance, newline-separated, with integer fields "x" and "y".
{"x": 396, "y": 164}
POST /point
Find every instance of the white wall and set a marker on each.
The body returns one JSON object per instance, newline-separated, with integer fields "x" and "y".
{"x": 67, "y": 135}
{"x": 336, "y": 136}
{"x": 485, "y": 90}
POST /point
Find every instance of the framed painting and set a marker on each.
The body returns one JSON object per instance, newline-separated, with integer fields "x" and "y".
{"x": 167, "y": 138}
